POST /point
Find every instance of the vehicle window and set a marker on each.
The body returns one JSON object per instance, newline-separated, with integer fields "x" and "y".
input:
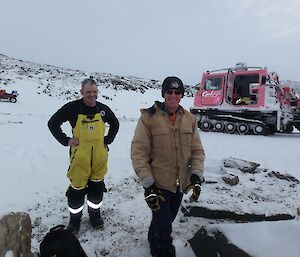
{"x": 213, "y": 84}
{"x": 245, "y": 84}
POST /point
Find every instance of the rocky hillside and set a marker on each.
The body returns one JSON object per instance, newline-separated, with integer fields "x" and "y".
{"x": 63, "y": 82}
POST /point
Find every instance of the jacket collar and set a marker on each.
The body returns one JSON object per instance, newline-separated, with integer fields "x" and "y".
{"x": 161, "y": 106}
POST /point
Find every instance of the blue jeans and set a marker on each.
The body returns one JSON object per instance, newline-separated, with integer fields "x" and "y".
{"x": 160, "y": 230}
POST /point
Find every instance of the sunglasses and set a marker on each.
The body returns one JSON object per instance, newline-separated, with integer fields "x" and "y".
{"x": 170, "y": 92}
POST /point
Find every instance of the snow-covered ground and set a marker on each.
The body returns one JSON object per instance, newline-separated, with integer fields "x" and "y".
{"x": 34, "y": 164}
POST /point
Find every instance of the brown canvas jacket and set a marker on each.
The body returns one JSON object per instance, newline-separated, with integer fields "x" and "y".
{"x": 164, "y": 152}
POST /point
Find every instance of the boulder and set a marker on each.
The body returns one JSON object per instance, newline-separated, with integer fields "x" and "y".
{"x": 15, "y": 235}
{"x": 242, "y": 165}
{"x": 231, "y": 179}
{"x": 207, "y": 243}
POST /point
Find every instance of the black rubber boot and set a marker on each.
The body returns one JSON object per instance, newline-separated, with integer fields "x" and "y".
{"x": 95, "y": 218}
{"x": 74, "y": 224}
{"x": 171, "y": 252}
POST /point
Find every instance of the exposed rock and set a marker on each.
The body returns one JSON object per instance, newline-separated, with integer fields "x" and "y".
{"x": 15, "y": 234}
{"x": 281, "y": 176}
{"x": 199, "y": 211}
{"x": 212, "y": 244}
{"x": 230, "y": 179}
{"x": 247, "y": 239}
{"x": 257, "y": 195}
{"x": 242, "y": 165}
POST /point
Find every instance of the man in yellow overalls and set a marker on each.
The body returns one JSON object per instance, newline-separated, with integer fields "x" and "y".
{"x": 88, "y": 151}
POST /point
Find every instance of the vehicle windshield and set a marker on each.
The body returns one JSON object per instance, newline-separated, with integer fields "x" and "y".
{"x": 213, "y": 84}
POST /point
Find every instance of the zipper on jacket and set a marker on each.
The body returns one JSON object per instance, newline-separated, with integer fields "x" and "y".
{"x": 178, "y": 180}
{"x": 92, "y": 156}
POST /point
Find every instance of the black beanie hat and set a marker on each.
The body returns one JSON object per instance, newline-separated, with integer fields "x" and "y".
{"x": 172, "y": 83}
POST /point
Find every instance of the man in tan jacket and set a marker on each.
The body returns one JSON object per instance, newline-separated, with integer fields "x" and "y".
{"x": 168, "y": 157}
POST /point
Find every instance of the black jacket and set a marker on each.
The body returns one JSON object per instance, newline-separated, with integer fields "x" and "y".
{"x": 69, "y": 112}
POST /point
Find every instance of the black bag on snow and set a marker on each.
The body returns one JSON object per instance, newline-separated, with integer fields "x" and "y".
{"x": 60, "y": 242}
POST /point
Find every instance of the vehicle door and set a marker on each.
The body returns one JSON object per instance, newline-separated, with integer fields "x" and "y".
{"x": 212, "y": 90}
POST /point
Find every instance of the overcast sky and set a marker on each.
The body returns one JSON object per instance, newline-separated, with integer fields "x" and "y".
{"x": 154, "y": 38}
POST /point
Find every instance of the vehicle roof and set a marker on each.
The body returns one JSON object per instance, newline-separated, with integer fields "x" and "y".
{"x": 237, "y": 71}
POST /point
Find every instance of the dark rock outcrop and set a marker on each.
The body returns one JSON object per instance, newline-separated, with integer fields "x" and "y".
{"x": 214, "y": 244}
{"x": 199, "y": 211}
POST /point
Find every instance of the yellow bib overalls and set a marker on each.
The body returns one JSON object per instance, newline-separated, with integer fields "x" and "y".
{"x": 88, "y": 160}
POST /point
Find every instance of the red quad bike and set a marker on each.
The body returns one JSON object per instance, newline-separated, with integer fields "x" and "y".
{"x": 245, "y": 100}
{"x": 12, "y": 97}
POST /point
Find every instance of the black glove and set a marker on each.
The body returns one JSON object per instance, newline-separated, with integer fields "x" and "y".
{"x": 107, "y": 148}
{"x": 154, "y": 197}
{"x": 107, "y": 140}
{"x": 106, "y": 143}
{"x": 195, "y": 186}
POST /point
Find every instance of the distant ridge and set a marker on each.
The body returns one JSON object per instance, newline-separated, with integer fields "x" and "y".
{"x": 52, "y": 77}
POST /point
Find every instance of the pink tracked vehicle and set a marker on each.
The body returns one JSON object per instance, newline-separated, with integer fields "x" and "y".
{"x": 244, "y": 100}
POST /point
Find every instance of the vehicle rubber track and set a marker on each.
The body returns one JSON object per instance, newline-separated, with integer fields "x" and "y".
{"x": 234, "y": 125}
